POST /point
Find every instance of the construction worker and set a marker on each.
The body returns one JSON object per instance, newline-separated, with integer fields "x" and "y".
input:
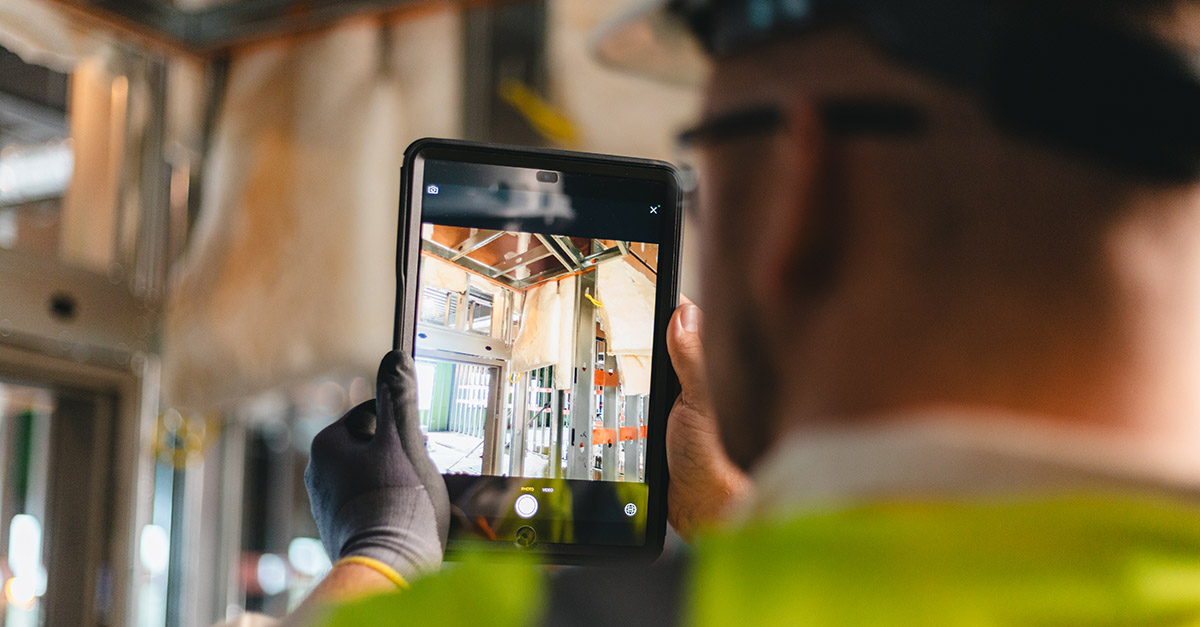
{"x": 953, "y": 336}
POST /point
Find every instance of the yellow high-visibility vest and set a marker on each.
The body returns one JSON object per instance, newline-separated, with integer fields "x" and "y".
{"x": 1070, "y": 560}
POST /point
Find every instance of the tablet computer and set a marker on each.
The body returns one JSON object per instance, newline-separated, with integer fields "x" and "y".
{"x": 535, "y": 288}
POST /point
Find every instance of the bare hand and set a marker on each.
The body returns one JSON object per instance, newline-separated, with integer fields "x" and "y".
{"x": 704, "y": 482}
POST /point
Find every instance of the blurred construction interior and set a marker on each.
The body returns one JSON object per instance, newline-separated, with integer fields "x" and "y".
{"x": 198, "y": 213}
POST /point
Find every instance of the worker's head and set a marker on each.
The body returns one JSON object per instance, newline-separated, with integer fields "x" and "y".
{"x": 965, "y": 220}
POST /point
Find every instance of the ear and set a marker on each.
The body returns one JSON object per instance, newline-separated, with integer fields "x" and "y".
{"x": 801, "y": 232}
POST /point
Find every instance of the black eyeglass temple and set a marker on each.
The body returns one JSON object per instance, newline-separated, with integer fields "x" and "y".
{"x": 841, "y": 118}
{"x": 748, "y": 122}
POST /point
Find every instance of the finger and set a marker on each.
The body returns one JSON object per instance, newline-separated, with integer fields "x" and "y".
{"x": 685, "y": 348}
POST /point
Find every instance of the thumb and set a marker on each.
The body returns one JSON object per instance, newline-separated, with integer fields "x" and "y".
{"x": 687, "y": 352}
{"x": 396, "y": 388}
{"x": 395, "y": 393}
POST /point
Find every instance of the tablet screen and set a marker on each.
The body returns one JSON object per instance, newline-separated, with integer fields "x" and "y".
{"x": 534, "y": 348}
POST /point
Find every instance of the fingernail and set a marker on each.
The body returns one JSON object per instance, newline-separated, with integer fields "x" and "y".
{"x": 691, "y": 319}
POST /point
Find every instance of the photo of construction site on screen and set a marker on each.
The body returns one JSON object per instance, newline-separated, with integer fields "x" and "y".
{"x": 533, "y": 353}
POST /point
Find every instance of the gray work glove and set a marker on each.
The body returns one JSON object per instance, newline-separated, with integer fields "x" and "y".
{"x": 373, "y": 489}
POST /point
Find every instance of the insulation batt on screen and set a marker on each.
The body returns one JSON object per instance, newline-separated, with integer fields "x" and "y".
{"x": 545, "y": 338}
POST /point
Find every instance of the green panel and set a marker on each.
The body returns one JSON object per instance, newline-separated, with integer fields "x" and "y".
{"x": 22, "y": 457}
{"x": 443, "y": 396}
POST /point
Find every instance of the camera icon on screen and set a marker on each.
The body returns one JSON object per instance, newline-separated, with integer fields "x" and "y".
{"x": 432, "y": 190}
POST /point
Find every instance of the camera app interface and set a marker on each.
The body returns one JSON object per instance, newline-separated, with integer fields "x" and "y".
{"x": 534, "y": 338}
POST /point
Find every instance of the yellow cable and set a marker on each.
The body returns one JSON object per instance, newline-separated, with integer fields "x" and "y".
{"x": 594, "y": 301}
{"x": 548, "y": 121}
{"x": 377, "y": 566}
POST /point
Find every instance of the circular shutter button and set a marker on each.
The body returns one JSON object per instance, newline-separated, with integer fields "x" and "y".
{"x": 526, "y": 506}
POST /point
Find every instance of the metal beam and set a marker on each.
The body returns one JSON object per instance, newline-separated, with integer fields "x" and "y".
{"x": 447, "y": 253}
{"x": 633, "y": 418}
{"x": 474, "y": 243}
{"x": 436, "y": 338}
{"x": 508, "y": 266}
{"x": 558, "y": 254}
{"x": 583, "y": 411}
{"x": 556, "y": 410}
{"x": 539, "y": 278}
{"x": 591, "y": 260}
{"x": 493, "y": 426}
{"x": 604, "y": 255}
{"x": 462, "y": 315}
{"x": 106, "y": 324}
{"x": 611, "y": 410}
{"x": 569, "y": 248}
{"x": 520, "y": 425}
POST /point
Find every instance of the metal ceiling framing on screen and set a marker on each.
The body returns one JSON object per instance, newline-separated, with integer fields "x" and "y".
{"x": 553, "y": 248}
{"x": 474, "y": 243}
{"x": 449, "y": 254}
{"x": 569, "y": 257}
{"x": 569, "y": 248}
{"x": 509, "y": 266}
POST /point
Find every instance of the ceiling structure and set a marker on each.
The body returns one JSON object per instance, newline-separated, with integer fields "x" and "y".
{"x": 500, "y": 256}
{"x": 33, "y": 102}
{"x": 34, "y": 158}
{"x": 204, "y": 26}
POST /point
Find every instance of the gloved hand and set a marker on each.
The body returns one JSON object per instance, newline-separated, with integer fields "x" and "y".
{"x": 373, "y": 489}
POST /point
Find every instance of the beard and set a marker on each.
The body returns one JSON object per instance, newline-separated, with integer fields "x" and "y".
{"x": 751, "y": 393}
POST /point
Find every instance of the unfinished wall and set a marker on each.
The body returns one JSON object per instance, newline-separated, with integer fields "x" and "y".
{"x": 290, "y": 272}
{"x": 290, "y": 269}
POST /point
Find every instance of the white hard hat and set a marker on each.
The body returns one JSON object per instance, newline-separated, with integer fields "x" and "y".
{"x": 649, "y": 40}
